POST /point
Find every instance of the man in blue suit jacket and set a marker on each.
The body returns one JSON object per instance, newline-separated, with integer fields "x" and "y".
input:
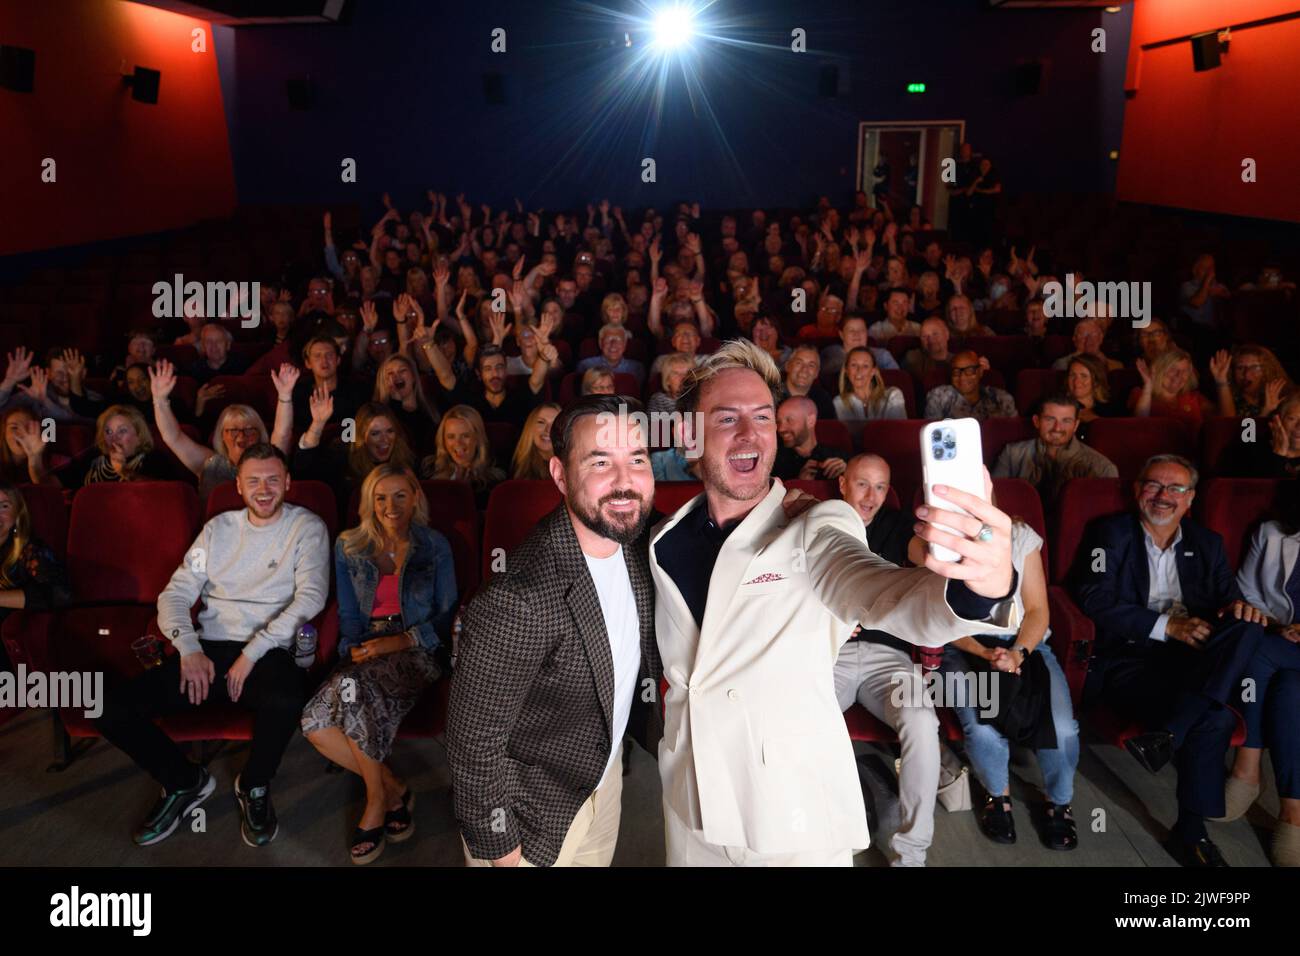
{"x": 1173, "y": 639}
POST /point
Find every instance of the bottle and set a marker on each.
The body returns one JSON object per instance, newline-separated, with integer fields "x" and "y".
{"x": 304, "y": 646}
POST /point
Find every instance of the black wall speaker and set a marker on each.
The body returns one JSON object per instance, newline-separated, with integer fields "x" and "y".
{"x": 302, "y": 93}
{"x": 17, "y": 68}
{"x": 494, "y": 89}
{"x": 1205, "y": 51}
{"x": 1029, "y": 78}
{"x": 144, "y": 84}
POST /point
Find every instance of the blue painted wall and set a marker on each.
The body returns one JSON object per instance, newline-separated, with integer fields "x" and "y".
{"x": 400, "y": 90}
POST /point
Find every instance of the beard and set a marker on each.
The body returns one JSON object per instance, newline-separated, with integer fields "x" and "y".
{"x": 1156, "y": 518}
{"x": 716, "y": 474}
{"x": 625, "y": 528}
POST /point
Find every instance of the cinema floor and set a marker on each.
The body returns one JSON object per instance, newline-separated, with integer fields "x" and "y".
{"x": 83, "y": 816}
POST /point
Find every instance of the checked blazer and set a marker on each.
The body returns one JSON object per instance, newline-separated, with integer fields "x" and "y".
{"x": 529, "y": 724}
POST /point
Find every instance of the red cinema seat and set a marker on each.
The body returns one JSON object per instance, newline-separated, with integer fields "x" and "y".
{"x": 49, "y": 511}
{"x": 898, "y": 441}
{"x": 1129, "y": 442}
{"x": 1007, "y": 353}
{"x": 571, "y": 384}
{"x": 514, "y": 507}
{"x": 452, "y": 511}
{"x": 997, "y": 433}
{"x": 73, "y": 440}
{"x": 1235, "y": 506}
{"x": 902, "y": 380}
{"x": 833, "y": 432}
{"x": 671, "y": 495}
{"x": 313, "y": 495}
{"x": 257, "y": 391}
{"x": 502, "y": 438}
{"x": 1081, "y": 500}
{"x": 126, "y": 539}
{"x": 899, "y": 345}
{"x": 1221, "y": 443}
{"x": 1034, "y": 384}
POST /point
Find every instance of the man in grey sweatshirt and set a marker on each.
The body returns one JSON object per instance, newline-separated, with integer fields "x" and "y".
{"x": 261, "y": 573}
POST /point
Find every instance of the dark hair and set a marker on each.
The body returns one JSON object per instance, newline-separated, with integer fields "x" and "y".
{"x": 487, "y": 351}
{"x": 898, "y": 289}
{"x": 587, "y": 405}
{"x": 262, "y": 451}
{"x": 1057, "y": 398}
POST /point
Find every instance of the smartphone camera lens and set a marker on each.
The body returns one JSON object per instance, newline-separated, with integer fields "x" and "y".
{"x": 936, "y": 436}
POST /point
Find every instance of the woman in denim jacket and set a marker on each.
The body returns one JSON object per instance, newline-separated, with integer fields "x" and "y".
{"x": 397, "y": 593}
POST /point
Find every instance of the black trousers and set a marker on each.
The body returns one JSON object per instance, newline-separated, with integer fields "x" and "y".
{"x": 1188, "y": 691}
{"x": 274, "y": 692}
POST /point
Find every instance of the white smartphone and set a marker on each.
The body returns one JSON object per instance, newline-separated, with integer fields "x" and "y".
{"x": 951, "y": 454}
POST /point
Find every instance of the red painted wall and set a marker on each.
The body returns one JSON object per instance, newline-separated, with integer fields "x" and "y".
{"x": 1186, "y": 133}
{"x": 123, "y": 167}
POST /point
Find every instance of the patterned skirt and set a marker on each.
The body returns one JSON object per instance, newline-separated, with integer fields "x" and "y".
{"x": 368, "y": 701}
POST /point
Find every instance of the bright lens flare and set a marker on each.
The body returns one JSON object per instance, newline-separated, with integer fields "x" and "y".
{"x": 672, "y": 28}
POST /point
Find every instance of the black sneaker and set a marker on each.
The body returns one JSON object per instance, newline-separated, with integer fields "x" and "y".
{"x": 996, "y": 821}
{"x": 1060, "y": 833}
{"x": 258, "y": 824}
{"x": 166, "y": 814}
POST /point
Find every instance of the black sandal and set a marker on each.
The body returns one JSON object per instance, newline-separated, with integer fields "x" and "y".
{"x": 374, "y": 837}
{"x": 996, "y": 821}
{"x": 401, "y": 818}
{"x": 1061, "y": 833}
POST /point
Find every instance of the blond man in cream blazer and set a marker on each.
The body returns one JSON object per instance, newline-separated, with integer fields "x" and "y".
{"x": 751, "y": 611}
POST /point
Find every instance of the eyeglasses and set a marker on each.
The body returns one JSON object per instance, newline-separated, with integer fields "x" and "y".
{"x": 247, "y": 430}
{"x": 1250, "y": 368}
{"x": 1154, "y": 488}
{"x": 965, "y": 370}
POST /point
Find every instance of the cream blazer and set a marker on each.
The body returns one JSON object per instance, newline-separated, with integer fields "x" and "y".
{"x": 755, "y": 752}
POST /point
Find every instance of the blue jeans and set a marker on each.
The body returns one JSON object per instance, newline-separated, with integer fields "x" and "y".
{"x": 990, "y": 753}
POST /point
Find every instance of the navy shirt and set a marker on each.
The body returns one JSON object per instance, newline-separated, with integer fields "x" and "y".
{"x": 1293, "y": 592}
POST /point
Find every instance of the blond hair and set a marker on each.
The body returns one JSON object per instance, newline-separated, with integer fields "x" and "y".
{"x": 528, "y": 461}
{"x": 1167, "y": 360}
{"x": 734, "y": 353}
{"x": 247, "y": 413}
{"x": 367, "y": 537}
{"x": 12, "y": 550}
{"x": 877, "y": 393}
{"x": 138, "y": 424}
{"x": 440, "y": 465}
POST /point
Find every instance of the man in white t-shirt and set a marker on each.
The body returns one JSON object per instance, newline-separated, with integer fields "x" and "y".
{"x": 557, "y": 659}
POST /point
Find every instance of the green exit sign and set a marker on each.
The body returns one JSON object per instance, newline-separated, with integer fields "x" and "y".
{"x": 916, "y": 87}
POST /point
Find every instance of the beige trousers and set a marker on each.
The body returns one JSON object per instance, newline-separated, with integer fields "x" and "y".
{"x": 593, "y": 834}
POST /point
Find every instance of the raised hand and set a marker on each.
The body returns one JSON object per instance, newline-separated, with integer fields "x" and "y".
{"x": 322, "y": 405}
{"x": 1145, "y": 371}
{"x": 369, "y": 317}
{"x": 862, "y": 260}
{"x": 388, "y": 203}
{"x": 284, "y": 379}
{"x": 20, "y": 364}
{"x": 545, "y": 328}
{"x": 327, "y": 221}
{"x": 656, "y": 250}
{"x": 38, "y": 390}
{"x": 500, "y": 328}
{"x": 1281, "y": 438}
{"x": 985, "y": 566}
{"x": 1272, "y": 396}
{"x": 30, "y": 440}
{"x": 162, "y": 379}
{"x": 460, "y": 305}
{"x": 660, "y": 289}
{"x": 441, "y": 273}
{"x": 205, "y": 394}
{"x": 1220, "y": 362}
{"x": 517, "y": 273}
